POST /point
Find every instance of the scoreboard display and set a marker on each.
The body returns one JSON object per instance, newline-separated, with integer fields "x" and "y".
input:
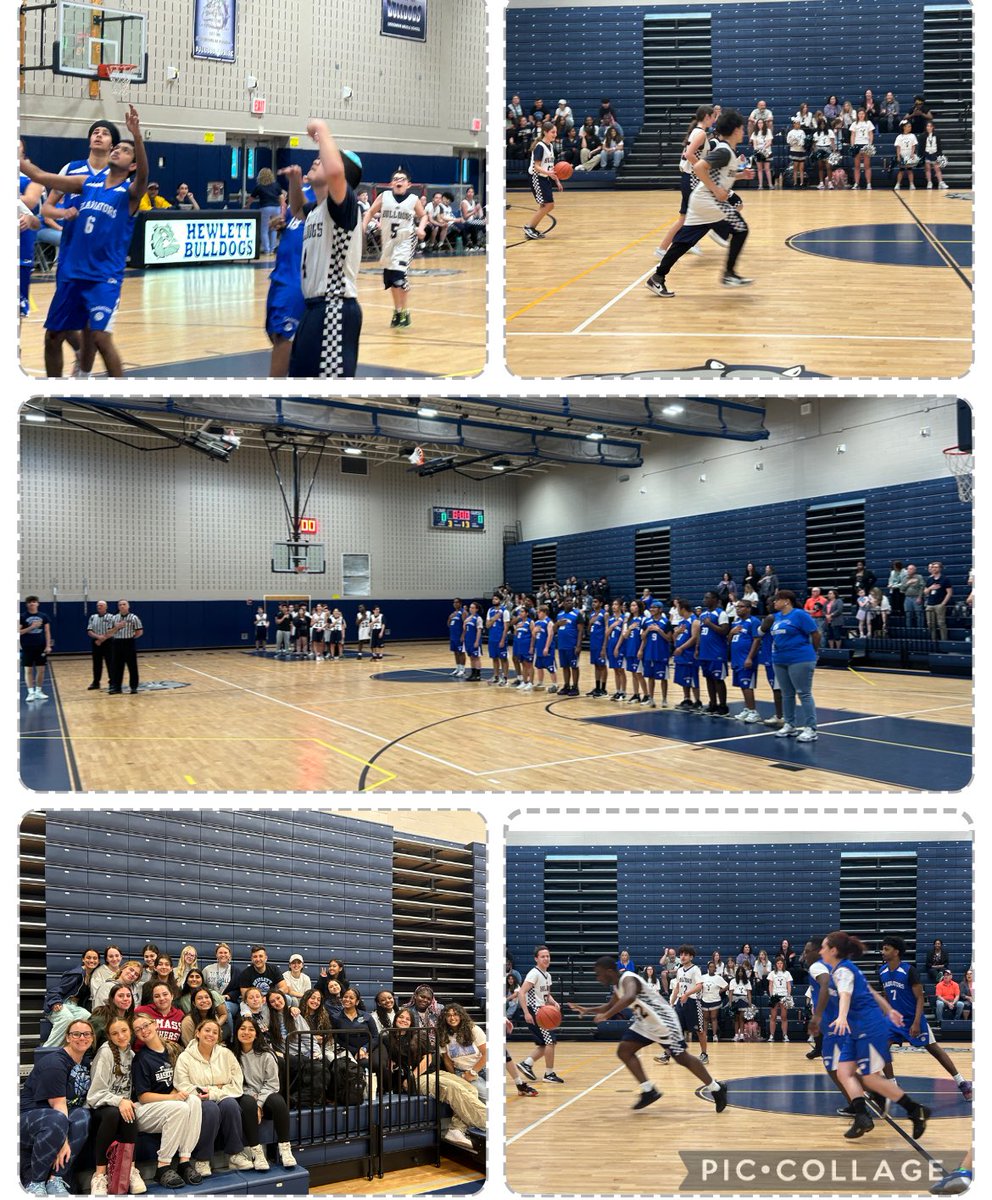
{"x": 458, "y": 518}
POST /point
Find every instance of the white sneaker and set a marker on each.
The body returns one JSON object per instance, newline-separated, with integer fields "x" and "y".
{"x": 912, "y": 187}
{"x": 30, "y": 696}
{"x": 820, "y": 187}
{"x": 40, "y": 695}
{"x": 258, "y": 1157}
{"x": 752, "y": 717}
{"x": 929, "y": 187}
{"x": 807, "y": 735}
{"x": 453, "y": 673}
{"x": 526, "y": 687}
{"x": 458, "y": 1138}
{"x": 942, "y": 186}
{"x": 787, "y": 730}
{"x": 772, "y": 1038}
{"x": 204, "y": 1167}
{"x": 868, "y": 188}
{"x": 136, "y": 1185}
{"x": 785, "y": 1037}
{"x": 98, "y": 1187}
{"x": 286, "y": 1154}
{"x": 242, "y": 1161}
{"x": 897, "y": 187}
{"x": 742, "y": 715}
{"x": 775, "y": 721}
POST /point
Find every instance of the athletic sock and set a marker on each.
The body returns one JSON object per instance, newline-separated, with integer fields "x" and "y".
{"x": 647, "y": 1086}
{"x": 908, "y": 1105}
{"x": 737, "y": 240}
{"x": 959, "y": 1078}
{"x": 860, "y": 1105}
{"x": 672, "y": 256}
{"x": 519, "y": 1081}
{"x": 528, "y": 1061}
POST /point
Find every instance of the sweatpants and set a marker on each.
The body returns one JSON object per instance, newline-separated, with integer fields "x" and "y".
{"x": 178, "y": 1121}
{"x": 221, "y": 1128}
{"x": 460, "y": 1096}
{"x": 43, "y": 1134}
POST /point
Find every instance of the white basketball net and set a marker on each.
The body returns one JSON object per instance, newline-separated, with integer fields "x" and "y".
{"x": 121, "y": 77}
{"x": 962, "y": 466}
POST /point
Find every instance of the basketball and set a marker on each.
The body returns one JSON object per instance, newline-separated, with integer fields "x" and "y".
{"x": 548, "y": 1016}
{"x": 563, "y": 170}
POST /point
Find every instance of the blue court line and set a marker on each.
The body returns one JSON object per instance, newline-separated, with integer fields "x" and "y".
{"x": 46, "y": 762}
{"x": 899, "y": 245}
{"x": 924, "y": 755}
{"x": 250, "y": 364}
{"x": 816, "y": 1095}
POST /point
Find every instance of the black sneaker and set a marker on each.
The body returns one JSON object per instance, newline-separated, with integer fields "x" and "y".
{"x": 723, "y": 711}
{"x": 920, "y": 1118}
{"x": 662, "y": 1058}
{"x": 94, "y": 687}
{"x": 396, "y": 319}
{"x": 684, "y": 706}
{"x": 169, "y": 1178}
{"x": 719, "y": 1097}
{"x": 646, "y": 1098}
{"x": 847, "y": 1111}
{"x": 735, "y": 281}
{"x": 710, "y": 710}
{"x": 551, "y": 1077}
{"x": 704, "y": 1057}
{"x": 862, "y": 1124}
{"x": 190, "y": 1173}
{"x": 697, "y": 706}
{"x": 527, "y": 1069}
{"x": 594, "y": 692}
{"x": 531, "y": 232}
{"x": 814, "y": 1053}
{"x": 524, "y": 1089}
{"x": 658, "y": 286}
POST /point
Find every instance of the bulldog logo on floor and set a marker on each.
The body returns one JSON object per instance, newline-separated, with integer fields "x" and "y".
{"x": 721, "y": 370}
{"x": 161, "y": 685}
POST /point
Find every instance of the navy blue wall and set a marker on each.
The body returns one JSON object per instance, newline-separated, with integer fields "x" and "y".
{"x": 197, "y": 165}
{"x": 200, "y": 624}
{"x": 914, "y": 522}
{"x": 751, "y": 893}
{"x": 782, "y": 53}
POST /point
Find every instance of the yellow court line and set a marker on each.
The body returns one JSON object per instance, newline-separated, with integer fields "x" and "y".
{"x": 190, "y": 780}
{"x": 863, "y": 678}
{"x": 388, "y": 775}
{"x": 595, "y": 266}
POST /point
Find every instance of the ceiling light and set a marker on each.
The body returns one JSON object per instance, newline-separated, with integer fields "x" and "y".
{"x": 35, "y": 416}
{"x": 353, "y": 450}
{"x": 426, "y": 411}
{"x": 596, "y": 436}
{"x": 673, "y": 410}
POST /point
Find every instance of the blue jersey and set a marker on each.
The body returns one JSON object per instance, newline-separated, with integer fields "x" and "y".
{"x": 632, "y": 642}
{"x": 682, "y": 633}
{"x": 742, "y": 636}
{"x": 864, "y": 1016}
{"x": 597, "y": 631}
{"x": 898, "y": 983}
{"x": 473, "y": 633}
{"x": 765, "y": 648}
{"x": 541, "y": 626}
{"x": 285, "y": 273}
{"x": 568, "y": 630}
{"x": 792, "y": 637}
{"x": 28, "y": 236}
{"x": 521, "y": 638}
{"x": 498, "y": 617}
{"x": 712, "y": 645}
{"x": 456, "y": 621}
{"x": 655, "y": 645}
{"x": 79, "y": 166}
{"x": 615, "y": 634}
{"x": 100, "y": 245}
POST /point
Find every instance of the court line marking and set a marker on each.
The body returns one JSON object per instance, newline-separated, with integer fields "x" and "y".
{"x": 863, "y": 678}
{"x": 387, "y": 776}
{"x": 609, "y": 304}
{"x": 853, "y": 737}
{"x": 937, "y": 244}
{"x": 561, "y": 1107}
{"x": 786, "y": 337}
{"x": 720, "y": 741}
{"x": 320, "y": 717}
{"x": 190, "y": 780}
{"x": 588, "y": 271}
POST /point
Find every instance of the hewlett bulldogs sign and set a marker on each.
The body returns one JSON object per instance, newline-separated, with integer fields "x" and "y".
{"x": 404, "y": 19}
{"x": 200, "y": 239}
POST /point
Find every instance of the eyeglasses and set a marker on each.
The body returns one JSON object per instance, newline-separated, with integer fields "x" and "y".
{"x": 81, "y": 1034}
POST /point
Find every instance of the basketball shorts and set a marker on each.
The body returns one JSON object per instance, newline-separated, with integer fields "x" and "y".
{"x": 284, "y": 308}
{"x": 633, "y": 664}
{"x": 690, "y": 1015}
{"x": 473, "y": 650}
{"x": 544, "y": 662}
{"x": 543, "y": 189}
{"x": 84, "y": 304}
{"x": 686, "y": 673}
{"x": 568, "y": 656}
{"x": 744, "y": 677}
{"x": 317, "y": 636}
{"x": 496, "y": 650}
{"x": 900, "y": 1036}
{"x": 614, "y": 659}
{"x": 523, "y": 653}
{"x": 33, "y": 656}
{"x": 836, "y": 1049}
{"x": 770, "y": 674}
{"x": 871, "y": 1050}
{"x": 597, "y": 654}
{"x": 667, "y": 1034}
{"x": 713, "y": 668}
{"x": 378, "y": 637}
{"x": 653, "y": 669}
{"x": 335, "y": 638}
{"x": 687, "y": 182}
{"x": 326, "y": 342}
{"x": 395, "y": 279}
{"x": 540, "y": 1037}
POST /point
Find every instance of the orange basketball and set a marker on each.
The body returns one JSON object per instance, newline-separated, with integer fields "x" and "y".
{"x": 563, "y": 170}
{"x": 548, "y": 1016}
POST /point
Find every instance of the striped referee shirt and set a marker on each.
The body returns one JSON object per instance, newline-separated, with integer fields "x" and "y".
{"x": 100, "y": 625}
{"x": 132, "y": 623}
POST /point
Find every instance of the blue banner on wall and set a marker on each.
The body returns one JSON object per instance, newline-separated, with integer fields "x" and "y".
{"x": 213, "y": 29}
{"x": 404, "y": 19}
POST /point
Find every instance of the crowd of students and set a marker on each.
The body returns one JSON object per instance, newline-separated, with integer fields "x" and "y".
{"x": 202, "y": 1054}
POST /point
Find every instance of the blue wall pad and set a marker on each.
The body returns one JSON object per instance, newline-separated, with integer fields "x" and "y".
{"x": 817, "y": 1096}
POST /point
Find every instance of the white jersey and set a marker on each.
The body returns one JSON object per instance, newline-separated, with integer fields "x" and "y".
{"x": 703, "y": 206}
{"x": 378, "y": 621}
{"x": 861, "y": 132}
{"x": 319, "y": 620}
{"x": 779, "y": 983}
{"x": 364, "y": 628}
{"x": 686, "y": 978}
{"x": 540, "y": 988}
{"x": 398, "y": 223}
{"x": 541, "y": 155}
{"x": 697, "y": 140}
{"x": 713, "y": 987}
{"x": 653, "y": 1017}
{"x": 332, "y": 250}
{"x": 337, "y": 622}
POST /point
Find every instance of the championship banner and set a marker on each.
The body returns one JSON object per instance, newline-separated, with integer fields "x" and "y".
{"x": 404, "y": 19}
{"x": 213, "y": 29}
{"x": 201, "y": 238}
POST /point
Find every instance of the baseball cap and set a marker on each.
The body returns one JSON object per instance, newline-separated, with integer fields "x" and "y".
{"x": 296, "y": 958}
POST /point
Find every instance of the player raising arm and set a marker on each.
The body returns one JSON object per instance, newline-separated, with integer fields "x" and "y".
{"x": 88, "y": 293}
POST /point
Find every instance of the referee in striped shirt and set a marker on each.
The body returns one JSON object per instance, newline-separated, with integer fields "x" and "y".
{"x": 123, "y": 633}
{"x": 100, "y": 624}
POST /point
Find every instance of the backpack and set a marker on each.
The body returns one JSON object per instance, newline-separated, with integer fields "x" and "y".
{"x": 346, "y": 1083}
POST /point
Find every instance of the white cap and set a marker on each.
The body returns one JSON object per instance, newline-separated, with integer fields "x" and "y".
{"x": 296, "y": 958}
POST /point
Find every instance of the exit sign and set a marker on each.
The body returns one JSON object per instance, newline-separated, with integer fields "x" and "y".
{"x": 476, "y": 125}
{"x": 257, "y": 106}
{"x": 307, "y": 525}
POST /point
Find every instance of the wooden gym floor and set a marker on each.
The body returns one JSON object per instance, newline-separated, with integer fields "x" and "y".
{"x": 210, "y": 321}
{"x": 577, "y": 304}
{"x": 242, "y": 722}
{"x": 581, "y": 1138}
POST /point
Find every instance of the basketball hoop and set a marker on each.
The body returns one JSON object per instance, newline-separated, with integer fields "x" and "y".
{"x": 121, "y": 76}
{"x": 301, "y": 568}
{"x": 961, "y": 464}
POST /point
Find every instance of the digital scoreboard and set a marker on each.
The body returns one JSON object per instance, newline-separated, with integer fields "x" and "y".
{"x": 458, "y": 518}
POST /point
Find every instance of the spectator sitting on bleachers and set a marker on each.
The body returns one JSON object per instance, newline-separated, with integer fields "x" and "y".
{"x": 425, "y": 1010}
{"x": 163, "y": 1109}
{"x": 463, "y": 1048}
{"x": 762, "y": 969}
{"x": 332, "y": 997}
{"x": 968, "y": 994}
{"x": 745, "y": 956}
{"x": 72, "y": 999}
{"x": 217, "y": 975}
{"x": 514, "y": 110}
{"x": 162, "y": 1009}
{"x": 351, "y": 1017}
{"x": 888, "y": 114}
{"x": 948, "y": 996}
{"x": 318, "y": 1020}
{"x": 624, "y": 962}
{"x": 847, "y": 115}
{"x": 563, "y": 117}
{"x": 253, "y": 1005}
{"x": 606, "y": 124}
{"x": 611, "y": 156}
{"x": 473, "y": 219}
{"x": 383, "y": 1016}
{"x": 202, "y": 1007}
{"x": 589, "y": 146}
{"x": 151, "y": 199}
{"x": 109, "y": 1097}
{"x": 650, "y": 977}
{"x": 261, "y": 974}
{"x": 209, "y": 1069}
{"x": 297, "y": 983}
{"x": 937, "y": 961}
{"x": 129, "y": 973}
{"x": 112, "y": 959}
{"x": 538, "y": 114}
{"x": 194, "y": 981}
{"x": 606, "y": 110}
{"x": 163, "y": 973}
{"x": 870, "y": 107}
{"x": 188, "y": 961}
{"x": 668, "y": 964}
{"x": 120, "y": 1003}
{"x": 283, "y": 1021}
{"x": 831, "y": 110}
{"x": 807, "y": 121}
{"x": 761, "y": 112}
{"x": 438, "y": 223}
{"x": 261, "y": 1096}
{"x": 567, "y": 150}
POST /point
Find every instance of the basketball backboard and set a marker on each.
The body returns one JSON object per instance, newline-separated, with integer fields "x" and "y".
{"x": 89, "y": 35}
{"x": 289, "y": 558}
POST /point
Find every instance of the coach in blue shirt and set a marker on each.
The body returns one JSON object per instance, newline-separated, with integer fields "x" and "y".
{"x": 795, "y": 642}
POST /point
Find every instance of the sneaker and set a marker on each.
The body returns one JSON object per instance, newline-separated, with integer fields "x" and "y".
{"x": 752, "y": 717}
{"x": 531, "y": 232}
{"x": 862, "y": 1124}
{"x": 920, "y": 1118}
{"x": 57, "y": 1186}
{"x": 942, "y": 186}
{"x": 36, "y": 1189}
{"x": 136, "y": 1185}
{"x": 453, "y": 674}
{"x": 286, "y": 1154}
{"x": 94, "y": 687}
{"x": 98, "y": 1185}
{"x": 813, "y": 1054}
{"x": 242, "y": 1161}
{"x": 772, "y": 1038}
{"x": 704, "y": 1057}
{"x": 719, "y": 1097}
{"x": 710, "y": 710}
{"x": 551, "y": 1077}
{"x": 501, "y": 683}
{"x": 912, "y": 187}
{"x": 259, "y": 1159}
{"x": 722, "y": 711}
{"x": 807, "y": 735}
{"x": 954, "y": 1184}
{"x": 167, "y": 1177}
{"x": 742, "y": 715}
{"x": 528, "y": 1070}
{"x": 787, "y": 730}
{"x": 846, "y": 1111}
{"x": 662, "y": 1058}
{"x": 594, "y": 692}
{"x": 524, "y": 1089}
{"x": 526, "y": 687}
{"x": 195, "y": 1171}
{"x": 633, "y": 700}
{"x": 685, "y": 706}
{"x": 697, "y": 706}
{"x": 720, "y": 241}
{"x": 696, "y": 250}
{"x": 658, "y": 286}
{"x": 929, "y": 187}
{"x": 456, "y": 1136}
{"x": 405, "y": 318}
{"x": 554, "y": 688}
{"x": 897, "y": 188}
{"x": 966, "y": 1090}
{"x": 773, "y": 722}
{"x": 732, "y": 280}
{"x": 868, "y": 188}
{"x": 785, "y": 1037}
{"x": 646, "y": 1098}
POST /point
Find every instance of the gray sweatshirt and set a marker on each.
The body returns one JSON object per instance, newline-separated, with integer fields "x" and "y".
{"x": 261, "y": 1075}
{"x": 106, "y": 1087}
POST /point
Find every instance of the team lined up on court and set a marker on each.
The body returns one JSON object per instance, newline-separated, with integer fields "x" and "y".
{"x": 319, "y": 634}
